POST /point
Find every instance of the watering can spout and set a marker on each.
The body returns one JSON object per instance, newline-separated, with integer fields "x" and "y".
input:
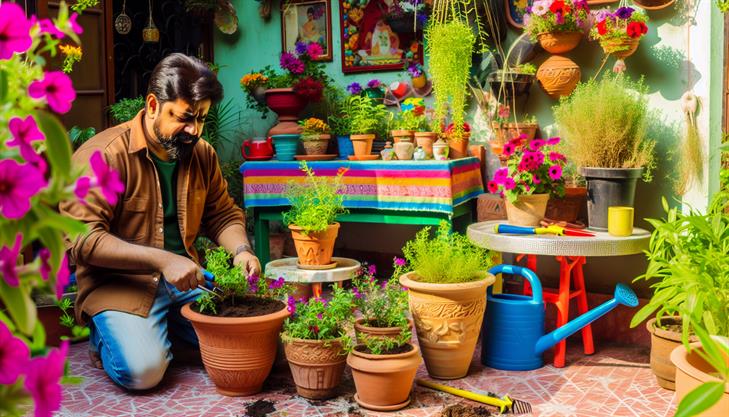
{"x": 623, "y": 295}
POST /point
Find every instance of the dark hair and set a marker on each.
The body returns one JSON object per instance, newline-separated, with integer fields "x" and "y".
{"x": 184, "y": 77}
{"x": 310, "y": 11}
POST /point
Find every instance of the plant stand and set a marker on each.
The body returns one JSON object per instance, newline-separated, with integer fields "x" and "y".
{"x": 287, "y": 269}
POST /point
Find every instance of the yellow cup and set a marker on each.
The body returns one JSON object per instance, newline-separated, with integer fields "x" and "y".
{"x": 620, "y": 221}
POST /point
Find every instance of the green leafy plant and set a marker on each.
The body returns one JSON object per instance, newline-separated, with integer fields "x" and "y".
{"x": 409, "y": 120}
{"x": 315, "y": 203}
{"x": 604, "y": 124}
{"x": 125, "y": 109}
{"x": 220, "y": 124}
{"x": 67, "y": 320}
{"x": 321, "y": 319}
{"x": 365, "y": 114}
{"x": 382, "y": 304}
{"x": 446, "y": 258}
{"x": 79, "y": 136}
{"x": 384, "y": 345}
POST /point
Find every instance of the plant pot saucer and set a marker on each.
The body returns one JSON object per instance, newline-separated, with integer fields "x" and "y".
{"x": 327, "y": 157}
{"x": 382, "y": 407}
{"x": 363, "y": 157}
{"x": 317, "y": 267}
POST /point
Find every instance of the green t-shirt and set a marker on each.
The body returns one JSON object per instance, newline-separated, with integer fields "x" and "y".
{"x": 167, "y": 172}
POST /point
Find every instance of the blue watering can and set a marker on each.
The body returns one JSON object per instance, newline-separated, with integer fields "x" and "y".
{"x": 513, "y": 336}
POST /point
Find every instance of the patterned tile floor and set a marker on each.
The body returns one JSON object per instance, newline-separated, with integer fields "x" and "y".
{"x": 616, "y": 381}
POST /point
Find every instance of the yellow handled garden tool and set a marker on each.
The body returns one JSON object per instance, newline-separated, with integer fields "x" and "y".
{"x": 505, "y": 404}
{"x": 549, "y": 230}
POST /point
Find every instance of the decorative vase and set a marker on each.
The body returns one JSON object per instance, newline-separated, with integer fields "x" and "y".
{"x": 314, "y": 248}
{"x": 663, "y": 342}
{"x": 285, "y": 146}
{"x": 362, "y": 143}
{"x": 362, "y": 328}
{"x": 344, "y": 145}
{"x": 404, "y": 150}
{"x": 387, "y": 153}
{"x": 527, "y": 210}
{"x": 425, "y": 140}
{"x": 447, "y": 320}
{"x": 653, "y": 4}
{"x": 458, "y": 148}
{"x": 608, "y": 187}
{"x": 440, "y": 150}
{"x": 558, "y": 76}
{"x": 419, "y": 154}
{"x": 287, "y": 105}
{"x": 692, "y": 371}
{"x": 504, "y": 132}
{"x": 238, "y": 352}
{"x": 620, "y": 48}
{"x": 316, "y": 365}
{"x": 559, "y": 42}
{"x": 402, "y": 135}
{"x": 569, "y": 207}
{"x": 419, "y": 82}
{"x": 316, "y": 146}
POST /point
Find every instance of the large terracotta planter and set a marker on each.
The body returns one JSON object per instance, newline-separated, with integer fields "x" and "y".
{"x": 316, "y": 365}
{"x": 287, "y": 105}
{"x": 238, "y": 352}
{"x": 663, "y": 342}
{"x": 458, "y": 148}
{"x": 361, "y": 328}
{"x": 402, "y": 135}
{"x": 620, "y": 48}
{"x": 559, "y": 42}
{"x": 527, "y": 210}
{"x": 569, "y": 207}
{"x": 447, "y": 320}
{"x": 362, "y": 143}
{"x": 426, "y": 140}
{"x": 316, "y": 146}
{"x": 384, "y": 382}
{"x": 314, "y": 248}
{"x": 691, "y": 371}
{"x": 558, "y": 76}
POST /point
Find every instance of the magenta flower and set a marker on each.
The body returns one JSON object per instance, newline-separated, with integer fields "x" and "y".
{"x": 493, "y": 187}
{"x": 320, "y": 316}
{"x": 58, "y": 90}
{"x": 509, "y": 149}
{"x": 14, "y": 356}
{"x": 371, "y": 269}
{"x": 374, "y": 83}
{"x": 47, "y": 26}
{"x": 500, "y": 175}
{"x": 43, "y": 379}
{"x": 25, "y": 132}
{"x": 18, "y": 184}
{"x": 63, "y": 277}
{"x": 504, "y": 112}
{"x": 555, "y": 172}
{"x": 9, "y": 260}
{"x": 536, "y": 180}
{"x": 45, "y": 267}
{"x": 253, "y": 283}
{"x": 106, "y": 178}
{"x": 314, "y": 50}
{"x": 291, "y": 63}
{"x": 356, "y": 292}
{"x": 509, "y": 184}
{"x": 291, "y": 305}
{"x": 556, "y": 156}
{"x": 276, "y": 284}
{"x": 74, "y": 24}
{"x": 553, "y": 141}
{"x": 536, "y": 144}
{"x": 14, "y": 30}
{"x": 399, "y": 261}
{"x": 81, "y": 189}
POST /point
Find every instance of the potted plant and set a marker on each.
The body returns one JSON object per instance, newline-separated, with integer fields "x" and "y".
{"x": 314, "y": 136}
{"x": 423, "y": 133}
{"x": 237, "y": 327}
{"x": 407, "y": 16}
{"x": 417, "y": 75}
{"x": 604, "y": 126}
{"x": 620, "y": 32}
{"x": 340, "y": 124}
{"x": 511, "y": 82}
{"x": 315, "y": 205}
{"x": 557, "y": 24}
{"x": 446, "y": 296}
{"x": 316, "y": 342}
{"x": 568, "y": 207}
{"x": 365, "y": 116}
{"x": 533, "y": 171}
{"x": 457, "y": 145}
{"x": 254, "y": 85}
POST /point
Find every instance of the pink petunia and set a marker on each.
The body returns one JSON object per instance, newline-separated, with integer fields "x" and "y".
{"x": 18, "y": 184}
{"x": 58, "y": 90}
{"x": 81, "y": 189}
{"x": 74, "y": 24}
{"x": 47, "y": 26}
{"x": 14, "y": 356}
{"x": 9, "y": 261}
{"x": 536, "y": 144}
{"x": 500, "y": 175}
{"x": 399, "y": 261}
{"x": 63, "y": 277}
{"x": 14, "y": 30}
{"x": 43, "y": 380}
{"x": 314, "y": 50}
{"x": 509, "y": 184}
{"x": 509, "y": 149}
{"x": 555, "y": 172}
{"x": 493, "y": 187}
{"x": 556, "y": 156}
{"x": 106, "y": 178}
{"x": 25, "y": 132}
{"x": 536, "y": 180}
{"x": 553, "y": 141}
{"x": 45, "y": 267}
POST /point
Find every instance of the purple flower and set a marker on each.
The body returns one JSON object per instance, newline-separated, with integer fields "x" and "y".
{"x": 555, "y": 172}
{"x": 276, "y": 284}
{"x": 9, "y": 260}
{"x": 559, "y": 18}
{"x": 354, "y": 88}
{"x": 18, "y": 184}
{"x": 106, "y": 178}
{"x": 314, "y": 50}
{"x": 14, "y": 30}
{"x": 291, "y": 305}
{"x": 399, "y": 261}
{"x": 509, "y": 184}
{"x": 624, "y": 12}
{"x": 45, "y": 267}
{"x": 300, "y": 48}
{"x": 415, "y": 70}
{"x": 25, "y": 132}
{"x": 14, "y": 356}
{"x": 81, "y": 189}
{"x": 356, "y": 292}
{"x": 58, "y": 90}
{"x": 320, "y": 316}
{"x": 374, "y": 83}
{"x": 602, "y": 14}
{"x": 291, "y": 63}
{"x": 43, "y": 379}
{"x": 253, "y": 283}
{"x": 371, "y": 269}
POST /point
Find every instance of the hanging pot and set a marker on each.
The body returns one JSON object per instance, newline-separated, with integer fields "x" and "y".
{"x": 505, "y": 85}
{"x": 558, "y": 76}
{"x": 559, "y": 42}
{"x": 620, "y": 48}
{"x": 150, "y": 33}
{"x": 653, "y": 4}
{"x": 123, "y": 23}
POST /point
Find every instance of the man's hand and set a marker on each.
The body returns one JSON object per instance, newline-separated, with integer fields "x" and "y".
{"x": 181, "y": 272}
{"x": 249, "y": 262}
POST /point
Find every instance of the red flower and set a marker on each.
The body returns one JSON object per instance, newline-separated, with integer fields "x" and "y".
{"x": 602, "y": 27}
{"x": 559, "y": 7}
{"x": 309, "y": 88}
{"x": 636, "y": 29}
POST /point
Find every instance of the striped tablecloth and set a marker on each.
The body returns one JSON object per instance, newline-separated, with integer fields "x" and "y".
{"x": 431, "y": 186}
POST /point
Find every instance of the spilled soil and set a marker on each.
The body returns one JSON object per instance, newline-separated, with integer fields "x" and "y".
{"x": 260, "y": 408}
{"x": 458, "y": 410}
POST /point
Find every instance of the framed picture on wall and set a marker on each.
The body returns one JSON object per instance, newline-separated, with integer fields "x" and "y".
{"x": 307, "y": 21}
{"x": 515, "y": 9}
{"x": 380, "y": 35}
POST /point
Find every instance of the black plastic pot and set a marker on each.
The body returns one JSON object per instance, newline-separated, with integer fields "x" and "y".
{"x": 405, "y": 23}
{"x": 514, "y": 84}
{"x": 608, "y": 187}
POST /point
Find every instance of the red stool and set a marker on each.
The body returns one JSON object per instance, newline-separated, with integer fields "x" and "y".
{"x": 569, "y": 267}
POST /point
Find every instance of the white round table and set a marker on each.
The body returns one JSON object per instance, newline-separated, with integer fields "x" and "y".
{"x": 287, "y": 269}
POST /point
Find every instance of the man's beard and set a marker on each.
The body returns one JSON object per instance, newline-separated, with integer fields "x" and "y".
{"x": 176, "y": 146}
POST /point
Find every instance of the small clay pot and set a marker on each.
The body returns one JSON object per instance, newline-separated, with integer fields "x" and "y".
{"x": 316, "y": 365}
{"x": 527, "y": 210}
{"x": 362, "y": 143}
{"x": 558, "y": 76}
{"x": 401, "y": 135}
{"x": 425, "y": 140}
{"x": 404, "y": 150}
{"x": 458, "y": 148}
{"x": 559, "y": 42}
{"x": 663, "y": 342}
{"x": 360, "y": 328}
{"x": 315, "y": 248}
{"x": 316, "y": 146}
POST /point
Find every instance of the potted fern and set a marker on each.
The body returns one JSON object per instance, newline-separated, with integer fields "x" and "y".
{"x": 365, "y": 118}
{"x": 446, "y": 287}
{"x": 315, "y": 205}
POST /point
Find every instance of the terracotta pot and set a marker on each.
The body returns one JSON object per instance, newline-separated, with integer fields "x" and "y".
{"x": 425, "y": 140}
{"x": 663, "y": 342}
{"x": 691, "y": 371}
{"x": 559, "y": 42}
{"x": 527, "y": 210}
{"x": 404, "y": 150}
{"x": 287, "y": 105}
{"x": 316, "y": 365}
{"x": 315, "y": 248}
{"x": 316, "y": 146}
{"x": 419, "y": 82}
{"x": 558, "y": 76}
{"x": 568, "y": 208}
{"x": 384, "y": 382}
{"x": 382, "y": 332}
{"x": 402, "y": 135}
{"x": 504, "y": 132}
{"x": 458, "y": 148}
{"x": 620, "y": 48}
{"x": 447, "y": 320}
{"x": 362, "y": 143}
{"x": 653, "y": 4}
{"x": 237, "y": 352}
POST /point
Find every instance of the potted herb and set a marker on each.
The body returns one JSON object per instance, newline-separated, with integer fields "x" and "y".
{"x": 509, "y": 83}
{"x": 316, "y": 343}
{"x": 446, "y": 296}
{"x": 422, "y": 132}
{"x": 340, "y": 124}
{"x": 620, "y": 32}
{"x": 314, "y": 136}
{"x": 457, "y": 145}
{"x": 557, "y": 24}
{"x": 237, "y": 327}
{"x": 365, "y": 116}
{"x": 604, "y": 126}
{"x": 533, "y": 171}
{"x": 315, "y": 205}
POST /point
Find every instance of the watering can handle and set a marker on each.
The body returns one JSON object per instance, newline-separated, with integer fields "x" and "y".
{"x": 527, "y": 273}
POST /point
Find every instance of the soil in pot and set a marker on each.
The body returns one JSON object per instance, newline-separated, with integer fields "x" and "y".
{"x": 247, "y": 306}
{"x": 663, "y": 341}
{"x": 458, "y": 410}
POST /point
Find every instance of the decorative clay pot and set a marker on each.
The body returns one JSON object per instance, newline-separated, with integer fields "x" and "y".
{"x": 692, "y": 371}
{"x": 558, "y": 76}
{"x": 527, "y": 210}
{"x": 559, "y": 42}
{"x": 663, "y": 342}
{"x": 440, "y": 150}
{"x": 362, "y": 143}
{"x": 315, "y": 248}
{"x": 287, "y": 105}
{"x": 316, "y": 365}
{"x": 360, "y": 328}
{"x": 316, "y": 146}
{"x": 404, "y": 150}
{"x": 425, "y": 140}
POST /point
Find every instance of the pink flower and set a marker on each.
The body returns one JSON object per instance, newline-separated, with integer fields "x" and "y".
{"x": 58, "y": 90}
{"x": 536, "y": 144}
{"x": 553, "y": 141}
{"x": 509, "y": 184}
{"x": 314, "y": 50}
{"x": 556, "y": 156}
{"x": 74, "y": 25}
{"x": 371, "y": 269}
{"x": 63, "y": 277}
{"x": 18, "y": 184}
{"x": 82, "y": 187}
{"x": 320, "y": 316}
{"x": 42, "y": 380}
{"x": 503, "y": 112}
{"x": 509, "y": 149}
{"x": 500, "y": 175}
{"x": 555, "y": 172}
{"x": 9, "y": 260}
{"x": 276, "y": 284}
{"x": 493, "y": 187}
{"x": 14, "y": 30}
{"x": 45, "y": 268}
{"x": 536, "y": 180}
{"x": 291, "y": 305}
{"x": 47, "y": 26}
{"x": 25, "y": 132}
{"x": 14, "y": 356}
{"x": 356, "y": 292}
{"x": 399, "y": 261}
{"x": 106, "y": 178}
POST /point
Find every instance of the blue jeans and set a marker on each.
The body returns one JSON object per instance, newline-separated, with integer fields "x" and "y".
{"x": 135, "y": 350}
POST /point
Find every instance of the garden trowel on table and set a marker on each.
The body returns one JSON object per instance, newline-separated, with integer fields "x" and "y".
{"x": 549, "y": 230}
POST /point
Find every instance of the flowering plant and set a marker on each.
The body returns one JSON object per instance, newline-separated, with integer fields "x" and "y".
{"x": 556, "y": 16}
{"x": 382, "y": 304}
{"x": 253, "y": 80}
{"x": 415, "y": 70}
{"x": 356, "y": 88}
{"x": 450, "y": 130}
{"x": 320, "y": 319}
{"x": 36, "y": 175}
{"x": 412, "y": 116}
{"x": 532, "y": 168}
{"x": 312, "y": 127}
{"x": 624, "y": 24}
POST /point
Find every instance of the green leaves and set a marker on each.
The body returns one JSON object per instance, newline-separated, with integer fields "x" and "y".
{"x": 57, "y": 144}
{"x": 700, "y": 399}
{"x": 315, "y": 203}
{"x": 19, "y": 306}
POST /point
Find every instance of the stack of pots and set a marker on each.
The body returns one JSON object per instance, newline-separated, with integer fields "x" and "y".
{"x": 559, "y": 75}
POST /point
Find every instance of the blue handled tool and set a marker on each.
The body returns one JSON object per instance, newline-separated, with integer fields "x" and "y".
{"x": 209, "y": 279}
{"x": 549, "y": 230}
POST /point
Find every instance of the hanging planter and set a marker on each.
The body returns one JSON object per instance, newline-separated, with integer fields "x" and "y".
{"x": 559, "y": 42}
{"x": 653, "y": 4}
{"x": 507, "y": 85}
{"x": 558, "y": 76}
{"x": 619, "y": 32}
{"x": 619, "y": 48}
